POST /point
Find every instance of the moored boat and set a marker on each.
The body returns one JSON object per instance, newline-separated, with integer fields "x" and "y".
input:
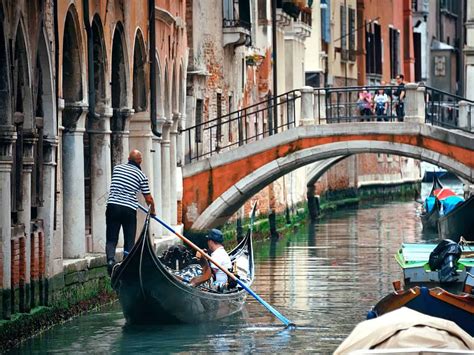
{"x": 150, "y": 291}
{"x": 435, "y": 302}
{"x": 414, "y": 259}
{"x": 407, "y": 331}
{"x": 459, "y": 222}
{"x": 431, "y": 207}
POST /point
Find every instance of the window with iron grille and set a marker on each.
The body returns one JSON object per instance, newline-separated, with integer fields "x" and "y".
{"x": 373, "y": 45}
{"x": 369, "y": 49}
{"x": 377, "y": 49}
{"x": 343, "y": 33}
{"x": 394, "y": 52}
{"x": 352, "y": 35}
{"x": 199, "y": 108}
{"x": 262, "y": 9}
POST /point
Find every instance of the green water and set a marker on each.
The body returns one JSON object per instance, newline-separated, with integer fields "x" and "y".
{"x": 323, "y": 277}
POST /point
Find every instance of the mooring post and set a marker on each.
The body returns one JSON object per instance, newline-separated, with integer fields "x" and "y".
{"x": 313, "y": 203}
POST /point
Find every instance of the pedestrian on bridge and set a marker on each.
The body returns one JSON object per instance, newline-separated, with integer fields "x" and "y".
{"x": 364, "y": 103}
{"x": 127, "y": 180}
{"x": 399, "y": 97}
{"x": 381, "y": 104}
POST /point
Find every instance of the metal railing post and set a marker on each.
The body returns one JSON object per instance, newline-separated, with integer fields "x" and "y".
{"x": 319, "y": 106}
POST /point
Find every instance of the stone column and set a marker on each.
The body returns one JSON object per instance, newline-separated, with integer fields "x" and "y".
{"x": 157, "y": 174}
{"x": 74, "y": 220}
{"x": 165, "y": 173}
{"x": 24, "y": 215}
{"x": 469, "y": 50}
{"x": 414, "y": 103}
{"x": 101, "y": 172}
{"x": 54, "y": 262}
{"x": 47, "y": 211}
{"x": 120, "y": 126}
{"x": 319, "y": 106}
{"x": 307, "y": 109}
{"x": 466, "y": 120}
{"x": 181, "y": 142}
{"x": 7, "y": 139}
{"x": 173, "y": 167}
{"x": 141, "y": 138}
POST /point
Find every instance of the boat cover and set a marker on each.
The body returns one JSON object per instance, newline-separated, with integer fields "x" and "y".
{"x": 449, "y": 203}
{"x": 441, "y": 194}
{"x": 406, "y": 328}
{"x": 429, "y": 203}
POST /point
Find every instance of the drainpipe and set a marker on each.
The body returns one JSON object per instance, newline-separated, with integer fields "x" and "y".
{"x": 90, "y": 59}
{"x": 151, "y": 25}
{"x": 56, "y": 59}
{"x": 275, "y": 68}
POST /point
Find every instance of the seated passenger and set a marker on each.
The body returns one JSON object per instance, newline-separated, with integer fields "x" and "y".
{"x": 215, "y": 239}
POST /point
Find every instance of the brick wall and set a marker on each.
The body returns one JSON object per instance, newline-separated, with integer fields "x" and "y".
{"x": 15, "y": 263}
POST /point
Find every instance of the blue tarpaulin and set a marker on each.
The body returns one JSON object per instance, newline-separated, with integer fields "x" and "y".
{"x": 449, "y": 203}
{"x": 429, "y": 203}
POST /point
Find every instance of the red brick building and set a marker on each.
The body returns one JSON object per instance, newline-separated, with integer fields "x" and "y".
{"x": 385, "y": 41}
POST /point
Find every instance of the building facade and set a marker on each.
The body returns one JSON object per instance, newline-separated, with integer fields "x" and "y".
{"x": 76, "y": 99}
{"x": 231, "y": 67}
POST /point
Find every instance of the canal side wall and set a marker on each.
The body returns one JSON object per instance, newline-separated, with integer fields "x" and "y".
{"x": 328, "y": 201}
{"x": 82, "y": 286}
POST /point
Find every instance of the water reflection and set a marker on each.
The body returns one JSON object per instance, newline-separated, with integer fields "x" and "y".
{"x": 323, "y": 277}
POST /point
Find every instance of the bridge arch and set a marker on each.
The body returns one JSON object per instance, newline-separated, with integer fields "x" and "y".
{"x": 228, "y": 198}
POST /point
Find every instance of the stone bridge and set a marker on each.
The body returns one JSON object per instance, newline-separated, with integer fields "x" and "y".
{"x": 214, "y": 188}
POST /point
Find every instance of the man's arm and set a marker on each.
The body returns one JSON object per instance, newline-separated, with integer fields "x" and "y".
{"x": 150, "y": 202}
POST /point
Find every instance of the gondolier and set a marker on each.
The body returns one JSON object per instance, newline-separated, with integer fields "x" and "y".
{"x": 215, "y": 240}
{"x": 127, "y": 180}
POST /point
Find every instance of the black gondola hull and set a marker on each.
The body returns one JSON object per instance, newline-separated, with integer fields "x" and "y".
{"x": 430, "y": 219}
{"x": 149, "y": 293}
{"x": 459, "y": 222}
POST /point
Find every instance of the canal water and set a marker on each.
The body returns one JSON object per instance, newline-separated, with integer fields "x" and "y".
{"x": 322, "y": 277}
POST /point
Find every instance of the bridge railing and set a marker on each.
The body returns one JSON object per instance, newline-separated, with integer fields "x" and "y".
{"x": 326, "y": 105}
{"x": 242, "y": 126}
{"x": 445, "y": 109}
{"x": 358, "y": 104}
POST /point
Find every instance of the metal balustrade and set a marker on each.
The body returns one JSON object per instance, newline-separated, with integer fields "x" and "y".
{"x": 344, "y": 104}
{"x": 330, "y": 105}
{"x": 442, "y": 109}
{"x": 240, "y": 127}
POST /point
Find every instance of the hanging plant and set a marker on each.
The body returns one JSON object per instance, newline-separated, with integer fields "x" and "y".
{"x": 254, "y": 59}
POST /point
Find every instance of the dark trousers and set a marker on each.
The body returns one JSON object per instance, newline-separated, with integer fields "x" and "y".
{"x": 117, "y": 216}
{"x": 400, "y": 111}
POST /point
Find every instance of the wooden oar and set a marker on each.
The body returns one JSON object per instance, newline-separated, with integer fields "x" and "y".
{"x": 277, "y": 314}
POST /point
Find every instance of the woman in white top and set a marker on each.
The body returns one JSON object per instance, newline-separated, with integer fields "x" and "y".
{"x": 381, "y": 104}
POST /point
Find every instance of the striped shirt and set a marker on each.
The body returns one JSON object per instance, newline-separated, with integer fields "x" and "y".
{"x": 127, "y": 181}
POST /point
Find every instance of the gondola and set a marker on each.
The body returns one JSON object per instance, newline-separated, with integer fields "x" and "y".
{"x": 429, "y": 218}
{"x": 459, "y": 222}
{"x": 435, "y": 302}
{"x": 152, "y": 292}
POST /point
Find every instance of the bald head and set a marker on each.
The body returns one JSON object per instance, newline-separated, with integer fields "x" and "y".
{"x": 135, "y": 156}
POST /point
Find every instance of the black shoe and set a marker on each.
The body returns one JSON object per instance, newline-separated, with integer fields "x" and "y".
{"x": 110, "y": 266}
